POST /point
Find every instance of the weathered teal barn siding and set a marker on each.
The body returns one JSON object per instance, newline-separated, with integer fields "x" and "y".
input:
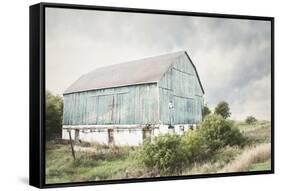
{"x": 121, "y": 105}
{"x": 180, "y": 86}
{"x": 137, "y": 92}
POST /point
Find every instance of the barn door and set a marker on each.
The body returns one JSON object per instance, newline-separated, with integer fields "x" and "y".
{"x": 106, "y": 109}
{"x": 122, "y": 108}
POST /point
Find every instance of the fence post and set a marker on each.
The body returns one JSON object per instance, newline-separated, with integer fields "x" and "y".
{"x": 72, "y": 149}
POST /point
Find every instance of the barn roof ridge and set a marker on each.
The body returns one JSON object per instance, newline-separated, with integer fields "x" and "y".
{"x": 138, "y": 60}
{"x": 136, "y": 72}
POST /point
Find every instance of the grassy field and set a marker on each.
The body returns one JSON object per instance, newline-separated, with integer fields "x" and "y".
{"x": 98, "y": 162}
{"x": 261, "y": 166}
{"x": 91, "y": 164}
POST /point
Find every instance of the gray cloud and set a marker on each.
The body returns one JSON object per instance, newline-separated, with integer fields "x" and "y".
{"x": 232, "y": 56}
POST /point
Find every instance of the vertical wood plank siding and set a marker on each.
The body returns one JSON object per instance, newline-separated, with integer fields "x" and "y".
{"x": 141, "y": 104}
{"x": 180, "y": 85}
{"x": 123, "y": 105}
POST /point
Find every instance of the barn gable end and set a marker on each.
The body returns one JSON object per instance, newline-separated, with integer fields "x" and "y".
{"x": 181, "y": 87}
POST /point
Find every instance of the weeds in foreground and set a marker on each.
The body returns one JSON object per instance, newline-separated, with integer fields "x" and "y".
{"x": 250, "y": 156}
{"x": 101, "y": 162}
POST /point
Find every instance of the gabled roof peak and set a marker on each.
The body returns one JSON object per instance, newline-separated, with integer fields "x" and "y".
{"x": 143, "y": 71}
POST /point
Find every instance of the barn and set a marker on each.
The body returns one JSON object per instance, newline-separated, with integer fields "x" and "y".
{"x": 124, "y": 104}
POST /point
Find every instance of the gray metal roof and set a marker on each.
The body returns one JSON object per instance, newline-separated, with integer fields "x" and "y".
{"x": 147, "y": 70}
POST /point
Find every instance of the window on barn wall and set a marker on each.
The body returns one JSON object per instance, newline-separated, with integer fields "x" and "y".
{"x": 181, "y": 128}
{"x": 146, "y": 134}
{"x": 76, "y": 135}
{"x": 171, "y": 129}
{"x": 110, "y": 136}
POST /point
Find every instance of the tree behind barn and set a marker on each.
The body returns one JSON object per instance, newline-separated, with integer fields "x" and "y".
{"x": 206, "y": 111}
{"x": 223, "y": 109}
{"x": 54, "y": 112}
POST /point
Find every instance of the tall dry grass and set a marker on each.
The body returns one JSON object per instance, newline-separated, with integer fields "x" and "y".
{"x": 250, "y": 156}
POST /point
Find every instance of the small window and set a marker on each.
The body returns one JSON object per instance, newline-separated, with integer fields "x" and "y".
{"x": 110, "y": 136}
{"x": 146, "y": 134}
{"x": 171, "y": 129}
{"x": 182, "y": 129}
{"x": 191, "y": 127}
{"x": 76, "y": 136}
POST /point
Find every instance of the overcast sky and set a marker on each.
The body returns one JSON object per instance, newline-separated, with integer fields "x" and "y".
{"x": 232, "y": 56}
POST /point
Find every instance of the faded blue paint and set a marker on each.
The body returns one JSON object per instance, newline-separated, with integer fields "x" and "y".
{"x": 180, "y": 86}
{"x": 141, "y": 104}
{"x": 124, "y": 105}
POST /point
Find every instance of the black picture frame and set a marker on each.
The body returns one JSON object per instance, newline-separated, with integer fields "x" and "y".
{"x": 37, "y": 93}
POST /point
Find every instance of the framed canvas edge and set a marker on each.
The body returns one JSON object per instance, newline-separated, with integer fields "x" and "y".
{"x": 37, "y": 94}
{"x": 35, "y": 97}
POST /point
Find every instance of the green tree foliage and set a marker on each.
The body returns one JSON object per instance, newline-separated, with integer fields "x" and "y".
{"x": 54, "y": 112}
{"x": 194, "y": 146}
{"x": 223, "y": 109}
{"x": 169, "y": 154}
{"x": 251, "y": 120}
{"x": 219, "y": 132}
{"x": 163, "y": 154}
{"x": 206, "y": 111}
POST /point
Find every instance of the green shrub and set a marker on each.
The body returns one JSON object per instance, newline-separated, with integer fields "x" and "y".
{"x": 219, "y": 132}
{"x": 169, "y": 154}
{"x": 235, "y": 137}
{"x": 163, "y": 154}
{"x": 194, "y": 146}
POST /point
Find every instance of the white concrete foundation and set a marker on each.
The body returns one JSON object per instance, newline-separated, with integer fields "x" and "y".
{"x": 122, "y": 135}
